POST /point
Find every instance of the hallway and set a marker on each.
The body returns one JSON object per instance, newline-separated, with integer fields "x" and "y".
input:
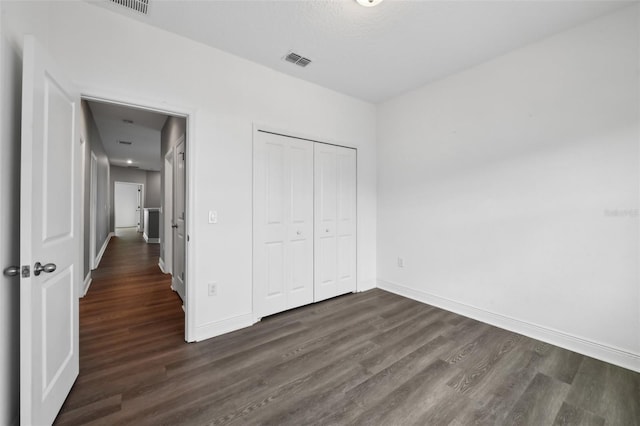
{"x": 128, "y": 318}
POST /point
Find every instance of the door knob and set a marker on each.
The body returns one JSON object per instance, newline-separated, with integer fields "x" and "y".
{"x": 11, "y": 271}
{"x": 174, "y": 226}
{"x": 48, "y": 268}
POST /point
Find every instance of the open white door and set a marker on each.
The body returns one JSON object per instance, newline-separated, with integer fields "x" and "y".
{"x": 179, "y": 245}
{"x": 49, "y": 235}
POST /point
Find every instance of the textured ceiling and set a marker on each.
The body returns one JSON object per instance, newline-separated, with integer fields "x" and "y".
{"x": 370, "y": 53}
{"x": 143, "y": 133}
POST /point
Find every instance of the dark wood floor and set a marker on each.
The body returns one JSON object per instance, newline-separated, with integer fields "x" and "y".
{"x": 369, "y": 358}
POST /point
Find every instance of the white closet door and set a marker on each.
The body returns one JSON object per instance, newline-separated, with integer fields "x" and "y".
{"x": 335, "y": 221}
{"x": 283, "y": 223}
{"x": 346, "y": 223}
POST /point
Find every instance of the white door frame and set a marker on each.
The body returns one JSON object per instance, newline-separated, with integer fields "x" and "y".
{"x": 141, "y": 206}
{"x": 117, "y": 98}
{"x": 93, "y": 205}
{"x": 167, "y": 211}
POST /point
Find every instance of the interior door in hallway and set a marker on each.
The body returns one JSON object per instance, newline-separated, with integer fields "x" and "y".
{"x": 127, "y": 202}
{"x": 283, "y": 223}
{"x": 335, "y": 221}
{"x": 179, "y": 219}
{"x": 49, "y": 237}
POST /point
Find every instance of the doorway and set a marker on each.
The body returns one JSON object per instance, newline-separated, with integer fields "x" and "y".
{"x": 128, "y": 204}
{"x": 141, "y": 180}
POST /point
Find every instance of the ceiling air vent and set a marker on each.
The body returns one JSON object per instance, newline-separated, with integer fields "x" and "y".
{"x": 125, "y": 142}
{"x": 140, "y": 6}
{"x": 299, "y": 60}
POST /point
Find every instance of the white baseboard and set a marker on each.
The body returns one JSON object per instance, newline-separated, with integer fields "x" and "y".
{"x": 150, "y": 240}
{"x": 180, "y": 289}
{"x": 161, "y": 265}
{"x": 87, "y": 283}
{"x": 217, "y": 328}
{"x": 581, "y": 345}
{"x": 103, "y": 249}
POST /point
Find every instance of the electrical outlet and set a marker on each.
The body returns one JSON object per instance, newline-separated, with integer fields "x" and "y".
{"x": 213, "y": 289}
{"x": 400, "y": 262}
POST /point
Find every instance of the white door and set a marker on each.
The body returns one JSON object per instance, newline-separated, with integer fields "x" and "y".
{"x": 167, "y": 244}
{"x": 126, "y": 199}
{"x": 178, "y": 215}
{"x": 335, "y": 221}
{"x": 49, "y": 235}
{"x": 282, "y": 223}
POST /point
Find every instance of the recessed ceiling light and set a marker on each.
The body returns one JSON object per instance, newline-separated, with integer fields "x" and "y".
{"x": 129, "y": 161}
{"x": 368, "y": 3}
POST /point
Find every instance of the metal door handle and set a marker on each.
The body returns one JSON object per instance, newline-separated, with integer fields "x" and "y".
{"x": 48, "y": 268}
{"x": 11, "y": 271}
{"x": 299, "y": 233}
{"x": 174, "y": 226}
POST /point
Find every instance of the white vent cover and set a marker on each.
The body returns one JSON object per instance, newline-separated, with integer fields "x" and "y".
{"x": 299, "y": 60}
{"x": 140, "y": 6}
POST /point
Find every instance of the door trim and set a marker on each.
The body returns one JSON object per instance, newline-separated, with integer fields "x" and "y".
{"x": 189, "y": 114}
{"x": 93, "y": 205}
{"x": 167, "y": 213}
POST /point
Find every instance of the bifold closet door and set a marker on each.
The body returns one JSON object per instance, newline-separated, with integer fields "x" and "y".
{"x": 282, "y": 223}
{"x": 335, "y": 221}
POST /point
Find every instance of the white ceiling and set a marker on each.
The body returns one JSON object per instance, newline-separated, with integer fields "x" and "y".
{"x": 371, "y": 53}
{"x": 143, "y": 133}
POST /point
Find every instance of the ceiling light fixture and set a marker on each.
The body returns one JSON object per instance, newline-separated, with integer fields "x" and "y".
{"x": 129, "y": 161}
{"x": 369, "y": 3}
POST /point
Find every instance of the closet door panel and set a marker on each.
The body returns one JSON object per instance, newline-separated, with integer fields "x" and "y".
{"x": 270, "y": 239}
{"x": 283, "y": 223}
{"x": 346, "y": 219}
{"x": 325, "y": 222}
{"x": 300, "y": 226}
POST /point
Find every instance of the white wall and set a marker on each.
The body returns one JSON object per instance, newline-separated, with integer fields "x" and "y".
{"x": 499, "y": 187}
{"x": 10, "y": 107}
{"x": 107, "y": 53}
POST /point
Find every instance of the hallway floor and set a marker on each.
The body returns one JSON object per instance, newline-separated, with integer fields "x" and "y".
{"x": 128, "y": 318}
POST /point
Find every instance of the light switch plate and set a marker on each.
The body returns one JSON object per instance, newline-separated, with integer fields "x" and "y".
{"x": 213, "y": 216}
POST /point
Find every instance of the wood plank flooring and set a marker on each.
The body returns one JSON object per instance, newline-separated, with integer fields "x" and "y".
{"x": 371, "y": 358}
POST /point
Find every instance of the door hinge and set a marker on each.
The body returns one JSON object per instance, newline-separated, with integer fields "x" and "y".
{"x": 26, "y": 271}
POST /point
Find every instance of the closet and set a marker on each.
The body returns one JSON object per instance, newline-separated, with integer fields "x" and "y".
{"x": 304, "y": 222}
